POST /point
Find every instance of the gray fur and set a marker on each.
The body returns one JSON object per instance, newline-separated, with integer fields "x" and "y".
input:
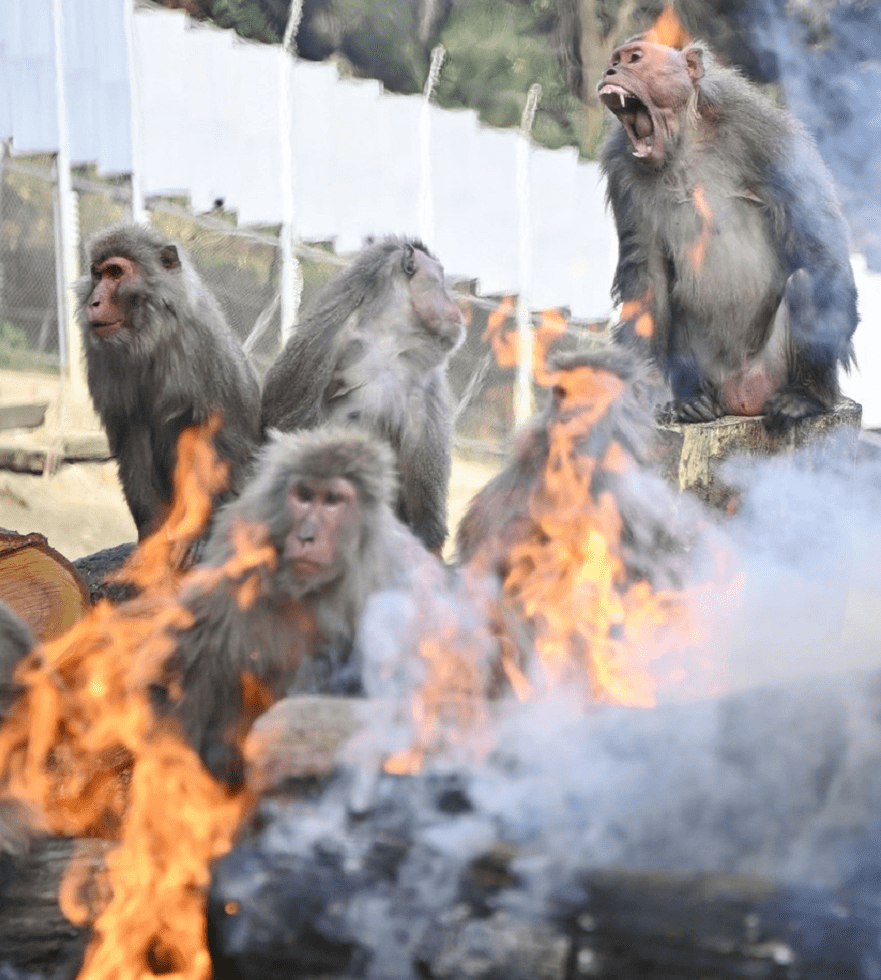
{"x": 500, "y": 515}
{"x": 772, "y": 295}
{"x": 171, "y": 367}
{"x": 16, "y": 641}
{"x": 292, "y": 635}
{"x": 367, "y": 353}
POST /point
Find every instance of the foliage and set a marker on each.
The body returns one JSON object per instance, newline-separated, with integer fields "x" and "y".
{"x": 16, "y": 352}
{"x": 495, "y": 49}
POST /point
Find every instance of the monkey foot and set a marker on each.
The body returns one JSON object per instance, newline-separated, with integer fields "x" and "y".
{"x": 786, "y": 408}
{"x": 701, "y": 408}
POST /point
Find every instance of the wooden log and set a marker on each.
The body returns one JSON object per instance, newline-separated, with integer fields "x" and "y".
{"x": 29, "y": 415}
{"x": 40, "y": 584}
{"x": 29, "y": 453}
{"x": 96, "y": 568}
{"x": 607, "y": 924}
{"x": 34, "y": 933}
{"x": 691, "y": 455}
{"x": 299, "y": 737}
{"x": 765, "y": 802}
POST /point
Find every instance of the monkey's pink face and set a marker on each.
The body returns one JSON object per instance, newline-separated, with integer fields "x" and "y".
{"x": 106, "y": 310}
{"x": 432, "y": 304}
{"x": 648, "y": 87}
{"x": 324, "y": 534}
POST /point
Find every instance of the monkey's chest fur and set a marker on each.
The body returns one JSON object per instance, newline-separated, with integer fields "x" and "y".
{"x": 718, "y": 281}
{"x": 383, "y": 387}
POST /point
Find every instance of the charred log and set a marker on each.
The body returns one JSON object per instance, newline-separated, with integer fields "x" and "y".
{"x": 36, "y": 939}
{"x": 96, "y": 569}
{"x": 737, "y": 838}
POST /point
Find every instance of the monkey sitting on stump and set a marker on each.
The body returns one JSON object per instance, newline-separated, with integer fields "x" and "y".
{"x": 372, "y": 350}
{"x": 319, "y": 508}
{"x": 160, "y": 357}
{"x": 733, "y": 268}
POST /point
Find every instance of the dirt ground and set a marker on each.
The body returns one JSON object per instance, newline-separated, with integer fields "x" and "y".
{"x": 80, "y": 507}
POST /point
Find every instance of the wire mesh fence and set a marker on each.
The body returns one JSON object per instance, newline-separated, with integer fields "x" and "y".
{"x": 241, "y": 266}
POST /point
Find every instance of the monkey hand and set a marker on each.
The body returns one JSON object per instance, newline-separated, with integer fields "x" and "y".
{"x": 789, "y": 406}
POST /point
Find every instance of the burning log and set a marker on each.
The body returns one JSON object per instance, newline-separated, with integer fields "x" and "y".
{"x": 692, "y": 456}
{"x": 712, "y": 840}
{"x": 298, "y": 738}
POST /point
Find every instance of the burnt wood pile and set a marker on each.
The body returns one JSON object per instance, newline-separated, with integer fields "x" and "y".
{"x": 726, "y": 839}
{"x": 736, "y": 838}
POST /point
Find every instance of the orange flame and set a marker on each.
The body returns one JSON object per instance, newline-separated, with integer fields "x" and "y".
{"x": 501, "y": 331}
{"x": 668, "y": 29}
{"x": 451, "y": 698}
{"x": 592, "y": 620}
{"x": 705, "y": 213}
{"x": 502, "y": 336}
{"x": 638, "y": 311}
{"x": 82, "y": 744}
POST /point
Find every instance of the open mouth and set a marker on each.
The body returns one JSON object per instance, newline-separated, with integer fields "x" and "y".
{"x": 634, "y": 116}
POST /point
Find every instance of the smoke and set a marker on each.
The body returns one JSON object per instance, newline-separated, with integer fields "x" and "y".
{"x": 780, "y": 776}
{"x": 825, "y": 58}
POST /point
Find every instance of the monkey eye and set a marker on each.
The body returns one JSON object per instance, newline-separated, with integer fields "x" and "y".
{"x": 408, "y": 262}
{"x": 635, "y": 56}
{"x": 114, "y": 271}
{"x": 304, "y": 493}
{"x": 333, "y": 497}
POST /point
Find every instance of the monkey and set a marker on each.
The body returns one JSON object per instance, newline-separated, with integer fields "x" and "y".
{"x": 580, "y": 488}
{"x": 595, "y": 393}
{"x": 161, "y": 357}
{"x": 372, "y": 350}
{"x": 18, "y": 821}
{"x": 318, "y": 509}
{"x": 16, "y": 642}
{"x": 733, "y": 269}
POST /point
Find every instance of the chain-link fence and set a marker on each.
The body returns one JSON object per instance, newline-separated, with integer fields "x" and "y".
{"x": 242, "y": 267}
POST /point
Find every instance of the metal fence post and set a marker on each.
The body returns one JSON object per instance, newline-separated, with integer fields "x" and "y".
{"x": 523, "y": 400}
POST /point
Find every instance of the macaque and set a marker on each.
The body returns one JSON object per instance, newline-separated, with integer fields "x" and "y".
{"x": 733, "y": 271}
{"x": 160, "y": 357}
{"x": 372, "y": 350}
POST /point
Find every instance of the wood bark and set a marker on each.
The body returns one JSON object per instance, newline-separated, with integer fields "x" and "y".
{"x": 692, "y": 455}
{"x": 35, "y": 935}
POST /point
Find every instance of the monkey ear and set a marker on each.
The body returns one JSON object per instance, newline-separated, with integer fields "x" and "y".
{"x": 169, "y": 257}
{"x": 694, "y": 62}
{"x": 408, "y": 262}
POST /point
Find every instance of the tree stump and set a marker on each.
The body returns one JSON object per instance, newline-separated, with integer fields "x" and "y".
{"x": 692, "y": 454}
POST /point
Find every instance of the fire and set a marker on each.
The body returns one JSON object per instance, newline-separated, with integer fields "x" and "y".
{"x": 595, "y": 623}
{"x": 639, "y": 312}
{"x": 83, "y": 745}
{"x": 452, "y": 698}
{"x": 574, "y": 610}
{"x": 668, "y": 29}
{"x": 501, "y": 331}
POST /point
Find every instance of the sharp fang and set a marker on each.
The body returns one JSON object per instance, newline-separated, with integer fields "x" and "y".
{"x": 621, "y": 97}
